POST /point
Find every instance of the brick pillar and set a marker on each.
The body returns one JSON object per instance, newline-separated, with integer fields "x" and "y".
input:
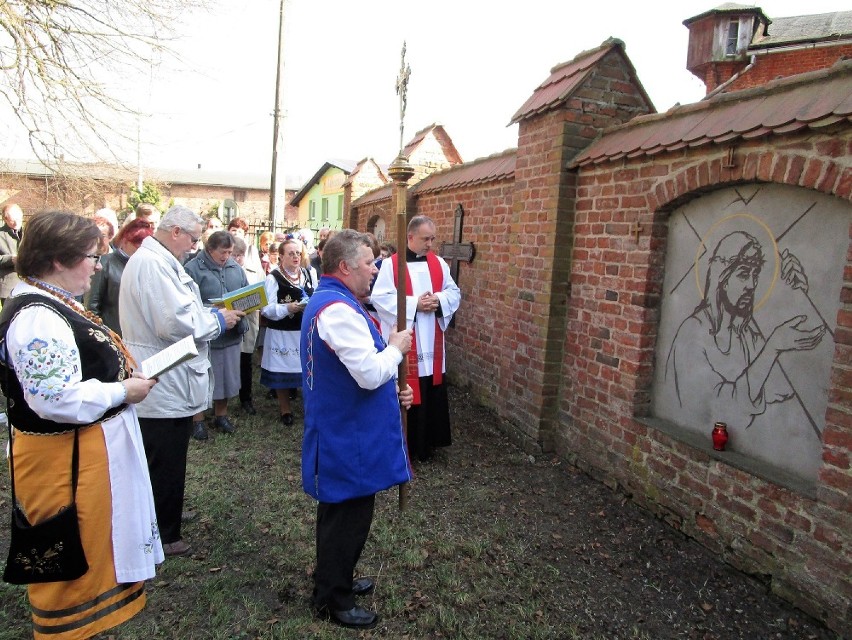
{"x": 532, "y": 325}
{"x": 537, "y": 284}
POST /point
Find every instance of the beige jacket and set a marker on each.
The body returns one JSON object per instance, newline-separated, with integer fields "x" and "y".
{"x": 159, "y": 304}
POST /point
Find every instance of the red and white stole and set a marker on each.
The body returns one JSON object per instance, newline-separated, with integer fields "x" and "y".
{"x": 436, "y": 275}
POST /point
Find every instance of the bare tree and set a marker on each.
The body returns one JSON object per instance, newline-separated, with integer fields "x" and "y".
{"x": 58, "y": 59}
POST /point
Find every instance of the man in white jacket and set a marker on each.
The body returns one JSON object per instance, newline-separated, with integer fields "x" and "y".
{"x": 159, "y": 304}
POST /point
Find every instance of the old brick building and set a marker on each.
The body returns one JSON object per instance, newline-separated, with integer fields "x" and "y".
{"x": 608, "y": 235}
{"x": 85, "y": 188}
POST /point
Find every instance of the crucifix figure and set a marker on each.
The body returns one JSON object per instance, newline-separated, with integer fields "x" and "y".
{"x": 402, "y": 91}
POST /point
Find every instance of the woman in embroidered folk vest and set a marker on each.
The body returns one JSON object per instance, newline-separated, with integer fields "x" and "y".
{"x": 63, "y": 368}
{"x": 288, "y": 288}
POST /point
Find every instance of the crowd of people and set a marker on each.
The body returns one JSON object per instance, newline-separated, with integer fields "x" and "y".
{"x": 86, "y": 300}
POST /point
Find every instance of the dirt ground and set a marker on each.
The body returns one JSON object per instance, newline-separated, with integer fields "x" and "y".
{"x": 608, "y": 568}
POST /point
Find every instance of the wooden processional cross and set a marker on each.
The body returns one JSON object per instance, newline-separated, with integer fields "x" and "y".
{"x": 457, "y": 251}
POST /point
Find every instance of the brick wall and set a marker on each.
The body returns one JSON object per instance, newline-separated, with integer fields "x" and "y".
{"x": 361, "y": 217}
{"x": 540, "y": 243}
{"x": 476, "y": 354}
{"x": 716, "y": 73}
{"x": 780, "y": 64}
{"x": 87, "y": 196}
{"x": 799, "y": 538}
{"x": 558, "y": 329}
{"x": 58, "y": 193}
{"x": 201, "y": 198}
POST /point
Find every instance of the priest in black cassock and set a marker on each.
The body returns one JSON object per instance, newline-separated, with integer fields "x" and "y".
{"x": 432, "y": 297}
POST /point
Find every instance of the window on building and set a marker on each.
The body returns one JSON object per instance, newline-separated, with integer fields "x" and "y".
{"x": 733, "y": 38}
{"x": 325, "y": 209}
{"x": 240, "y": 195}
{"x": 340, "y": 207}
{"x": 312, "y": 210}
{"x": 229, "y": 210}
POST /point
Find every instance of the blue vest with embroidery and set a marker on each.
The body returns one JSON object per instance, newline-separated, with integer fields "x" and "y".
{"x": 353, "y": 444}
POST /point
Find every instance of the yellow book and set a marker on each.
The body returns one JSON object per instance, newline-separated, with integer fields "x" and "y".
{"x": 247, "y": 299}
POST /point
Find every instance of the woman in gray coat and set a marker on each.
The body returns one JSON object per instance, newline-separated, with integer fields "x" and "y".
{"x": 217, "y": 274}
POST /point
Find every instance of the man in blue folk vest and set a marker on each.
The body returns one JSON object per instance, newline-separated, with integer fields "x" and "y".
{"x": 353, "y": 444}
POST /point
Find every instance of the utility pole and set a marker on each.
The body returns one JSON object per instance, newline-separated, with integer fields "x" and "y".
{"x": 277, "y": 210}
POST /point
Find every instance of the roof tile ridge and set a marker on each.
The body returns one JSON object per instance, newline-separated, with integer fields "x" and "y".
{"x": 476, "y": 161}
{"x": 423, "y": 185}
{"x": 609, "y": 43}
{"x": 840, "y": 67}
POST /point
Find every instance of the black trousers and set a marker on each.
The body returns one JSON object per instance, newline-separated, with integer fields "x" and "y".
{"x": 166, "y": 442}
{"x": 342, "y": 530}
{"x": 245, "y": 376}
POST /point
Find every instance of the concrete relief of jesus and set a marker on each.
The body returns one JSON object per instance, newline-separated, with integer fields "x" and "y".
{"x": 721, "y": 335}
{"x": 751, "y": 292}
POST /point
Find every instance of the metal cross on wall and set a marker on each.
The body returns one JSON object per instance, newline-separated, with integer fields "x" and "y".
{"x": 457, "y": 251}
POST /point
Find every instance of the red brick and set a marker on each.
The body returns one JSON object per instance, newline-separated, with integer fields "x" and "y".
{"x": 836, "y": 458}
{"x": 829, "y": 178}
{"x": 836, "y": 479}
{"x": 813, "y": 170}
{"x": 838, "y": 437}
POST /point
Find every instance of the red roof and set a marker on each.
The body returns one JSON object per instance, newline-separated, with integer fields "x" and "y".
{"x": 566, "y": 77}
{"x": 809, "y": 100}
{"x": 495, "y": 167}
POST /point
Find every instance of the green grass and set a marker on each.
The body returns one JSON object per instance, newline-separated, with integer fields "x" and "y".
{"x": 493, "y": 545}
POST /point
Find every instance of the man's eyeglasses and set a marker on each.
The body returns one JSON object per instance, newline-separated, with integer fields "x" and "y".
{"x": 191, "y": 237}
{"x": 94, "y": 256}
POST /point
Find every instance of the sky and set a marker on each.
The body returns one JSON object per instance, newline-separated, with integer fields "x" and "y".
{"x": 473, "y": 64}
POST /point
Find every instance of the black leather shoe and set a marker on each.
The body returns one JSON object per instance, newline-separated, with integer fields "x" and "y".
{"x": 363, "y": 586}
{"x": 248, "y": 408}
{"x": 287, "y": 419}
{"x": 354, "y": 618}
{"x": 223, "y": 423}
{"x": 199, "y": 430}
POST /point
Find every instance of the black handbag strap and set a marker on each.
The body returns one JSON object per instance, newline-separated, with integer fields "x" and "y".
{"x": 75, "y": 456}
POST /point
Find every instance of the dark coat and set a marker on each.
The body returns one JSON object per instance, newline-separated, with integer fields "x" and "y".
{"x": 102, "y": 297}
{"x": 9, "y": 241}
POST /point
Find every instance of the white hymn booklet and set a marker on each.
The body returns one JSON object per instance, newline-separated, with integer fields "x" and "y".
{"x": 172, "y": 356}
